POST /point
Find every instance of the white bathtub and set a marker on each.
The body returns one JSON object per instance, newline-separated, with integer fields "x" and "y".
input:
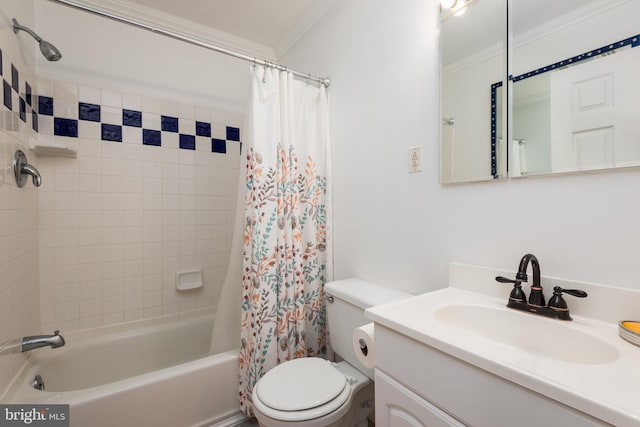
{"x": 155, "y": 376}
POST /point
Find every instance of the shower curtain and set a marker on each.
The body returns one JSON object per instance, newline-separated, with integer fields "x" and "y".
{"x": 287, "y": 248}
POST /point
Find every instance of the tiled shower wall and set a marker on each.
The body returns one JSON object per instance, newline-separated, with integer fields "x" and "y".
{"x": 151, "y": 192}
{"x": 19, "y": 291}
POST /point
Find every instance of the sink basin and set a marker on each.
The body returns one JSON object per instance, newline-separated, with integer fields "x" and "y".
{"x": 551, "y": 339}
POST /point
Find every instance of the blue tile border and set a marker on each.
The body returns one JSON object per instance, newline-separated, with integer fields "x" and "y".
{"x": 633, "y": 41}
{"x": 7, "y": 97}
{"x": 494, "y": 125}
{"x": 187, "y": 142}
{"x": 45, "y": 105}
{"x": 169, "y": 124}
{"x": 151, "y": 137}
{"x": 132, "y": 118}
{"x": 203, "y": 129}
{"x": 218, "y": 145}
{"x": 88, "y": 112}
{"x": 111, "y": 132}
{"x": 15, "y": 78}
{"x": 233, "y": 134}
{"x": 23, "y": 109}
{"x": 31, "y": 106}
{"x": 28, "y": 93}
{"x": 65, "y": 127}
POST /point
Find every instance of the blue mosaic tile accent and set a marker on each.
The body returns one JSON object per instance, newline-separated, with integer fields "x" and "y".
{"x": 203, "y": 129}
{"x": 187, "y": 142}
{"x": 28, "y": 93}
{"x": 6, "y": 89}
{"x": 132, "y": 118}
{"x": 111, "y": 132}
{"x": 233, "y": 134}
{"x": 218, "y": 145}
{"x": 89, "y": 112}
{"x": 45, "y": 105}
{"x": 23, "y": 110}
{"x": 15, "y": 78}
{"x": 633, "y": 41}
{"x": 65, "y": 127}
{"x": 34, "y": 120}
{"x": 169, "y": 124}
{"x": 151, "y": 137}
{"x": 494, "y": 134}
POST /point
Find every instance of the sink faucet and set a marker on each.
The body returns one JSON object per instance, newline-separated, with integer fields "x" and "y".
{"x": 536, "y": 298}
{"x": 557, "y": 307}
{"x": 36, "y": 341}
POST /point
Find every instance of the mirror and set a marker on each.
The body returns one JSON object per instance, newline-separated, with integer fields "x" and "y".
{"x": 575, "y": 87}
{"x": 572, "y": 94}
{"x": 473, "y": 81}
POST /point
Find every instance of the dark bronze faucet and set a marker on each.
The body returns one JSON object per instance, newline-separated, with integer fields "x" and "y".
{"x": 536, "y": 298}
{"x": 557, "y": 307}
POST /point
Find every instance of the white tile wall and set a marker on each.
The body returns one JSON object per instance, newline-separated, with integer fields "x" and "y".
{"x": 117, "y": 222}
{"x": 19, "y": 291}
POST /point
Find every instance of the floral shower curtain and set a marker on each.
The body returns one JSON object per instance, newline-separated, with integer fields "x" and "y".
{"x": 287, "y": 250}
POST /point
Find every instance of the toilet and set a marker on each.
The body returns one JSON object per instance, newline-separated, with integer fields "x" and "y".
{"x": 314, "y": 392}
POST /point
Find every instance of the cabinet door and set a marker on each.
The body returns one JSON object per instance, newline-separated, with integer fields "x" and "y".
{"x": 397, "y": 406}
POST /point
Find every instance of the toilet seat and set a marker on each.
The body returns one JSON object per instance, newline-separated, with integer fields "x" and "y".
{"x": 301, "y": 389}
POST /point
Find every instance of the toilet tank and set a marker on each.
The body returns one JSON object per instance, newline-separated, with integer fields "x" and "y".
{"x": 345, "y": 312}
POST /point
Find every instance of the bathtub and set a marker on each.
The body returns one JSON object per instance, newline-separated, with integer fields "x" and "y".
{"x": 159, "y": 375}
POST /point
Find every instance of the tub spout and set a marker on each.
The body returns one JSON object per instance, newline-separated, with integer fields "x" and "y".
{"x": 36, "y": 341}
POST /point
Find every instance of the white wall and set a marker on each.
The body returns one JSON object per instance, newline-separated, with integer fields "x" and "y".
{"x": 400, "y": 229}
{"x": 101, "y": 52}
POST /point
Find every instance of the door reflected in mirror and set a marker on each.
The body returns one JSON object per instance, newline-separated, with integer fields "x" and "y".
{"x": 473, "y": 82}
{"x": 576, "y": 91}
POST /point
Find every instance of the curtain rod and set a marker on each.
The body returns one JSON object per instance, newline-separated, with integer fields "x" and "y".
{"x": 325, "y": 81}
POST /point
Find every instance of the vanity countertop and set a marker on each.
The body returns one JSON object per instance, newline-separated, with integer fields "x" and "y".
{"x": 602, "y": 380}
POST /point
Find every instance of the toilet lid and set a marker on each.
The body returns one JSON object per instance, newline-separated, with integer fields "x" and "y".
{"x": 300, "y": 384}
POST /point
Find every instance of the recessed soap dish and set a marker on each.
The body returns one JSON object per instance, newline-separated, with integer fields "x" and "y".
{"x": 186, "y": 280}
{"x": 629, "y": 330}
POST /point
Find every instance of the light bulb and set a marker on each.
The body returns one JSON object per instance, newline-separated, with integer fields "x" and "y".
{"x": 460, "y": 11}
{"x": 448, "y": 4}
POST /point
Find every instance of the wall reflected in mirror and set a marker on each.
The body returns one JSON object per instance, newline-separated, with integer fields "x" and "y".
{"x": 575, "y": 86}
{"x": 473, "y": 82}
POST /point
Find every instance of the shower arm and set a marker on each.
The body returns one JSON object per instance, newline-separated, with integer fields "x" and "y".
{"x": 17, "y": 27}
{"x": 325, "y": 81}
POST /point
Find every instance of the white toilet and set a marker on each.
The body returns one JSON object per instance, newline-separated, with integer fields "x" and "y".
{"x": 313, "y": 392}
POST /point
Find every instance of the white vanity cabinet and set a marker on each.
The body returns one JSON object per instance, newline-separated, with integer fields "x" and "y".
{"x": 417, "y": 385}
{"x": 398, "y": 406}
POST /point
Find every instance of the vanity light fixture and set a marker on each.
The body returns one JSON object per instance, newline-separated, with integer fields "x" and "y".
{"x": 458, "y": 7}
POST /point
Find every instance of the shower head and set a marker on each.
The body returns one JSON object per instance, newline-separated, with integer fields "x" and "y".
{"x": 49, "y": 51}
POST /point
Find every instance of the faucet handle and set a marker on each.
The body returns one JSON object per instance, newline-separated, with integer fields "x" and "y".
{"x": 517, "y": 294}
{"x": 558, "y": 302}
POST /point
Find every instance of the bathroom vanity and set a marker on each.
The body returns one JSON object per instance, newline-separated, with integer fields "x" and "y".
{"x": 459, "y": 356}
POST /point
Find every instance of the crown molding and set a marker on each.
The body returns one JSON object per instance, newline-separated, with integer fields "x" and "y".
{"x": 555, "y": 25}
{"x": 155, "y": 18}
{"x": 317, "y": 11}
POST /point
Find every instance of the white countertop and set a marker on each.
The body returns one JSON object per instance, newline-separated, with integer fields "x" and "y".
{"x": 609, "y": 391}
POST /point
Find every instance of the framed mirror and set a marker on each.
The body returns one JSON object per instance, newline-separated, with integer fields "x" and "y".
{"x": 575, "y": 86}
{"x": 572, "y": 92}
{"x": 473, "y": 82}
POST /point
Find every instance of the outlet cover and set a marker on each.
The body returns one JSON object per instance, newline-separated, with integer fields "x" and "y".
{"x": 415, "y": 159}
